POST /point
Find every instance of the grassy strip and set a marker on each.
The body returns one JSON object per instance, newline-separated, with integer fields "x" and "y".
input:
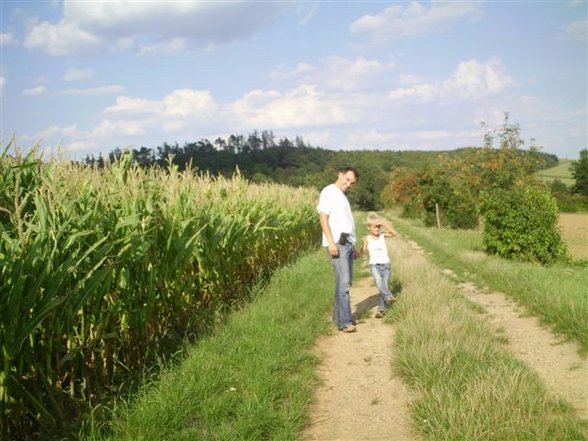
{"x": 469, "y": 387}
{"x": 556, "y": 294}
{"x": 253, "y": 378}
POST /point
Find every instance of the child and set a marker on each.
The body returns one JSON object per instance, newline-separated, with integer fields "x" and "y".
{"x": 379, "y": 261}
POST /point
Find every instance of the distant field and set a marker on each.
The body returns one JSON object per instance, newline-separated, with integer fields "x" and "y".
{"x": 561, "y": 171}
{"x": 575, "y": 231}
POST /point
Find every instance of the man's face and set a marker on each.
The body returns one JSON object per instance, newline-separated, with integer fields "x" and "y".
{"x": 345, "y": 180}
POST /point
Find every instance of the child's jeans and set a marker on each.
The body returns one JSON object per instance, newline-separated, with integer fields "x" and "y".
{"x": 381, "y": 273}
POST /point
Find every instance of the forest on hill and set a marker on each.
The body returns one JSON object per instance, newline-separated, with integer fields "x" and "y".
{"x": 259, "y": 157}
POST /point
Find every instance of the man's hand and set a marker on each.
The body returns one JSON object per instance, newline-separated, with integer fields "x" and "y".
{"x": 333, "y": 250}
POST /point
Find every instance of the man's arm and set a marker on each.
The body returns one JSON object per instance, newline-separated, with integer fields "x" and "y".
{"x": 333, "y": 250}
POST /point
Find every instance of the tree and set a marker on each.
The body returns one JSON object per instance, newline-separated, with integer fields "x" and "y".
{"x": 144, "y": 157}
{"x": 579, "y": 170}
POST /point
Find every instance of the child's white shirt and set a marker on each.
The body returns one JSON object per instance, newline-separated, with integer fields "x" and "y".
{"x": 377, "y": 249}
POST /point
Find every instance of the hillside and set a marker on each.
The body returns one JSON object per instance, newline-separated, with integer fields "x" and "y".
{"x": 561, "y": 171}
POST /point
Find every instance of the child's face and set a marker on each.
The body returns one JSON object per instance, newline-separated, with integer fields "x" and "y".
{"x": 374, "y": 229}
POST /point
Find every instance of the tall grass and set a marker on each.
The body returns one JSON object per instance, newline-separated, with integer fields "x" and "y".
{"x": 102, "y": 271}
{"x": 469, "y": 387}
{"x": 555, "y": 294}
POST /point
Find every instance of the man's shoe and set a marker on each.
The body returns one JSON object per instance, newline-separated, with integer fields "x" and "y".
{"x": 348, "y": 329}
{"x": 379, "y": 314}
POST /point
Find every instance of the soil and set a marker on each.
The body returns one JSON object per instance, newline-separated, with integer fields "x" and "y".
{"x": 362, "y": 399}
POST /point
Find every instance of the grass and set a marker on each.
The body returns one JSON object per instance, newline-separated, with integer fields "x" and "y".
{"x": 561, "y": 171}
{"x": 469, "y": 387}
{"x": 555, "y": 294}
{"x": 251, "y": 380}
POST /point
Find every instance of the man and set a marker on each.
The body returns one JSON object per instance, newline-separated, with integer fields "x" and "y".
{"x": 339, "y": 238}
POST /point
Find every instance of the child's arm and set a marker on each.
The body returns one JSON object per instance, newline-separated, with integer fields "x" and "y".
{"x": 388, "y": 230}
{"x": 359, "y": 251}
{"x": 364, "y": 245}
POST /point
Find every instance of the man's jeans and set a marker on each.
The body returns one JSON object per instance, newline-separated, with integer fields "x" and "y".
{"x": 381, "y": 273}
{"x": 343, "y": 265}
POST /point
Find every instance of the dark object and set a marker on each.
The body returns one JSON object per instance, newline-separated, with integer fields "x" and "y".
{"x": 344, "y": 239}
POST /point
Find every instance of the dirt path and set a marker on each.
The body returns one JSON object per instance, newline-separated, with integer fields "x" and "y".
{"x": 557, "y": 363}
{"x": 361, "y": 398}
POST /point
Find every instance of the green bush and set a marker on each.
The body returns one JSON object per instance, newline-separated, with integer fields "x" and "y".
{"x": 571, "y": 203}
{"x": 521, "y": 224}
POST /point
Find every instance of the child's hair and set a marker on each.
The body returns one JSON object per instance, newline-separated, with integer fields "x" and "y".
{"x": 373, "y": 219}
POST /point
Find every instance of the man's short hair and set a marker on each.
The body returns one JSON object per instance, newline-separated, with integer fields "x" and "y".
{"x": 351, "y": 169}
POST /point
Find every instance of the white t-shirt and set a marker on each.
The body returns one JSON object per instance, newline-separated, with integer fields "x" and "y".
{"x": 334, "y": 203}
{"x": 377, "y": 249}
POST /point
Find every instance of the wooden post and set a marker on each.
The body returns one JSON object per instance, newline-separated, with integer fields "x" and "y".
{"x": 438, "y": 216}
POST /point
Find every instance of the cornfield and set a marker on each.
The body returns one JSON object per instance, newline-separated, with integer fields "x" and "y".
{"x": 100, "y": 270}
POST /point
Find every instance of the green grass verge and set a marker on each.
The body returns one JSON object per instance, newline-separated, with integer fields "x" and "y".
{"x": 469, "y": 386}
{"x": 555, "y": 294}
{"x": 251, "y": 380}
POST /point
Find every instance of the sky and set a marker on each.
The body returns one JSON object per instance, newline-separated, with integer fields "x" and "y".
{"x": 85, "y": 77}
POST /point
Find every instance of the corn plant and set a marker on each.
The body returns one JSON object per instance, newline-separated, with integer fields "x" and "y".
{"x": 103, "y": 271}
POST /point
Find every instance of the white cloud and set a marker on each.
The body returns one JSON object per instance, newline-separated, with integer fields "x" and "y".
{"x": 35, "y": 91}
{"x": 56, "y": 132}
{"x": 74, "y": 74}
{"x": 577, "y": 30}
{"x": 2, "y": 82}
{"x": 300, "y": 107}
{"x": 60, "y": 39}
{"x": 301, "y": 71}
{"x": 85, "y": 25}
{"x": 471, "y": 80}
{"x": 182, "y": 103}
{"x": 336, "y": 73}
{"x": 187, "y": 102}
{"x": 401, "y": 21}
{"x": 128, "y": 106}
{"x": 179, "y": 113}
{"x": 94, "y": 91}
{"x": 415, "y": 139}
{"x": 308, "y": 16}
{"x": 7, "y": 39}
{"x": 173, "y": 46}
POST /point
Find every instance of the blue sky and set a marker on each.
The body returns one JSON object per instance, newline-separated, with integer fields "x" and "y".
{"x": 90, "y": 76}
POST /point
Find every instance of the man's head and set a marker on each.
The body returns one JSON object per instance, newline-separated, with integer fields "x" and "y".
{"x": 346, "y": 177}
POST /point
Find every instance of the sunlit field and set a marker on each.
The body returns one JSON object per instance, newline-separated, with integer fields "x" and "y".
{"x": 561, "y": 171}
{"x": 574, "y": 228}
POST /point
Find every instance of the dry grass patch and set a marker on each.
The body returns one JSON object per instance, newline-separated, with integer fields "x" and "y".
{"x": 575, "y": 232}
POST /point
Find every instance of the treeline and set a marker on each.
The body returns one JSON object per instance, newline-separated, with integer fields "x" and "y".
{"x": 260, "y": 157}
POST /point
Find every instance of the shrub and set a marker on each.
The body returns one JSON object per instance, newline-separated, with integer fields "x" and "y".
{"x": 521, "y": 224}
{"x": 571, "y": 203}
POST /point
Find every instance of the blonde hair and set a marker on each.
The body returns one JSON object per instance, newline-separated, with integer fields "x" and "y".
{"x": 373, "y": 219}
